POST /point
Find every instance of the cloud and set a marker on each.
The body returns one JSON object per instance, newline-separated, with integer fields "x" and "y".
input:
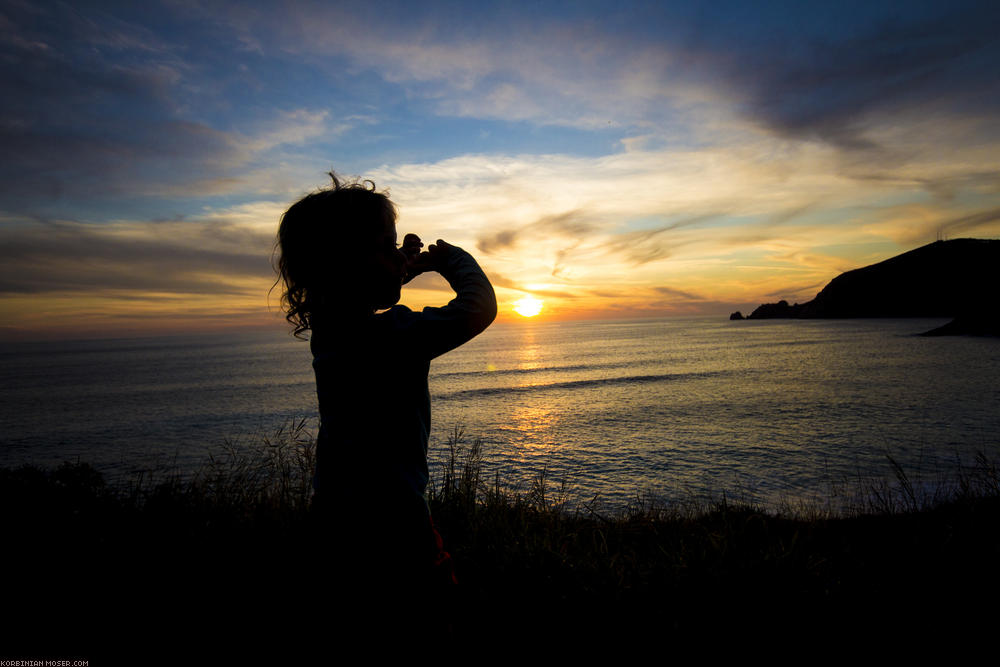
{"x": 654, "y": 301}
{"x": 785, "y": 292}
{"x": 647, "y": 245}
{"x": 99, "y": 108}
{"x": 570, "y": 224}
{"x": 560, "y": 69}
{"x": 216, "y": 256}
{"x": 828, "y": 74}
{"x": 677, "y": 294}
{"x": 495, "y": 241}
{"x": 500, "y": 280}
{"x": 916, "y": 223}
{"x": 292, "y": 127}
{"x": 834, "y": 74}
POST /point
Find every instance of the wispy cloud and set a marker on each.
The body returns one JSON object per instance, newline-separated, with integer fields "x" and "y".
{"x": 97, "y": 107}
{"x": 221, "y": 254}
{"x": 826, "y": 75}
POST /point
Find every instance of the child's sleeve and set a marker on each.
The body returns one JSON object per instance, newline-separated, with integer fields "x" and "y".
{"x": 437, "y": 330}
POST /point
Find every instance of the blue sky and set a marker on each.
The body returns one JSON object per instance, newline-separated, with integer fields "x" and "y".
{"x": 612, "y": 159}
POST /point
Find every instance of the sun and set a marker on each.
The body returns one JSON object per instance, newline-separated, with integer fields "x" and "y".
{"x": 529, "y": 306}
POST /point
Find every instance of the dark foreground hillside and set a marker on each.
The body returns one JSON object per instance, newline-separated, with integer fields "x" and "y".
{"x": 105, "y": 575}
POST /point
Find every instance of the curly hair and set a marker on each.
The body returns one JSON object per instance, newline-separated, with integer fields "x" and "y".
{"x": 347, "y": 214}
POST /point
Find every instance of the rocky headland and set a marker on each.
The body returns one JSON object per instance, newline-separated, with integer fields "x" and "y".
{"x": 957, "y": 278}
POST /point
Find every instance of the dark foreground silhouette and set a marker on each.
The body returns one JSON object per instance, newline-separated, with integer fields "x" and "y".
{"x": 98, "y": 574}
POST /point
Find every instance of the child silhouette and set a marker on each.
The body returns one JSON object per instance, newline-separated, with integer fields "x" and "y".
{"x": 342, "y": 271}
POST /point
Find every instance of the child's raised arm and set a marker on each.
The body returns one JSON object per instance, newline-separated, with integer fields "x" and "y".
{"x": 438, "y": 330}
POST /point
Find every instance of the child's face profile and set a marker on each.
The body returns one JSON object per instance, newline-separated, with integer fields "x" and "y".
{"x": 385, "y": 270}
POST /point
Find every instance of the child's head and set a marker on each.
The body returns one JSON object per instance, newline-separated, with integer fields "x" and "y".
{"x": 347, "y": 231}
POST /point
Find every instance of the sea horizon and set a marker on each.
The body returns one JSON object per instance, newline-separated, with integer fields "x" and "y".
{"x": 661, "y": 407}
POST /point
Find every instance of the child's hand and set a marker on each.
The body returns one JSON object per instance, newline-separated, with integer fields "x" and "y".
{"x": 429, "y": 260}
{"x": 411, "y": 246}
{"x": 411, "y": 250}
{"x": 439, "y": 252}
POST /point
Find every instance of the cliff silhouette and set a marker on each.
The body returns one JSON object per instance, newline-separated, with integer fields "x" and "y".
{"x": 956, "y": 278}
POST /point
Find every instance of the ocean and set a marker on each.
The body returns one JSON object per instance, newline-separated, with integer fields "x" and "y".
{"x": 612, "y": 411}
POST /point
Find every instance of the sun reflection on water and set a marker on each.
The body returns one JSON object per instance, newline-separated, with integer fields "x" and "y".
{"x": 529, "y": 354}
{"x": 531, "y": 429}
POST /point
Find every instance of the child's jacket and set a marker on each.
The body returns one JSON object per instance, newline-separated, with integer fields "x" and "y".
{"x": 371, "y": 378}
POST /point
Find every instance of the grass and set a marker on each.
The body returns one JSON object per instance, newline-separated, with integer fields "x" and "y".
{"x": 678, "y": 566}
{"x": 233, "y": 546}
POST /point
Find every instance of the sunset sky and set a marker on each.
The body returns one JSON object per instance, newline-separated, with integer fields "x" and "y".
{"x": 609, "y": 159}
